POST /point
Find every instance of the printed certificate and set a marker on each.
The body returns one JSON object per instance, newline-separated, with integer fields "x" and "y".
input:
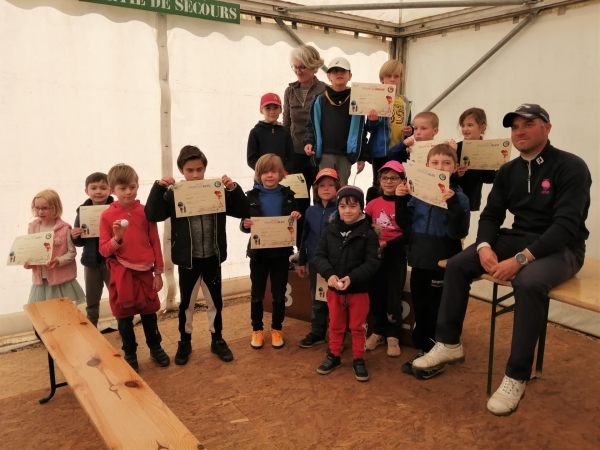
{"x": 197, "y": 198}
{"x": 419, "y": 150}
{"x": 35, "y": 249}
{"x": 488, "y": 154}
{"x": 427, "y": 184}
{"x": 367, "y": 96}
{"x": 89, "y": 220}
{"x": 272, "y": 232}
{"x": 297, "y": 183}
{"x": 321, "y": 290}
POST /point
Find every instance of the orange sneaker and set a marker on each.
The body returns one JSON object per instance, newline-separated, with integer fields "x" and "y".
{"x": 277, "y": 339}
{"x": 258, "y": 339}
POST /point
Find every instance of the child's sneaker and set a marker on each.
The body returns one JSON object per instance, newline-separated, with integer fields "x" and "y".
{"x": 373, "y": 341}
{"x": 360, "y": 370}
{"x": 331, "y": 363}
{"x": 407, "y": 366}
{"x": 311, "y": 340}
{"x": 393, "y": 349}
{"x": 159, "y": 356}
{"x": 219, "y": 347}
{"x": 132, "y": 361}
{"x": 258, "y": 339}
{"x": 277, "y": 339}
{"x": 184, "y": 348}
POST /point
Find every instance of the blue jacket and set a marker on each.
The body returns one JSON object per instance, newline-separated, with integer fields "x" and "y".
{"x": 437, "y": 232}
{"x": 357, "y": 136}
{"x": 379, "y": 139}
{"x": 316, "y": 219}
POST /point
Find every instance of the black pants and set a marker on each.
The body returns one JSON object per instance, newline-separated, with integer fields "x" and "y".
{"x": 530, "y": 286}
{"x": 302, "y": 165}
{"x": 320, "y": 310}
{"x": 207, "y": 271}
{"x": 426, "y": 287}
{"x": 150, "y": 325}
{"x": 260, "y": 270}
{"x": 386, "y": 292}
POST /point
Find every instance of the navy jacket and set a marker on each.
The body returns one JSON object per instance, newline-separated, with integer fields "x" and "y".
{"x": 316, "y": 219}
{"x": 90, "y": 257}
{"x": 270, "y": 138}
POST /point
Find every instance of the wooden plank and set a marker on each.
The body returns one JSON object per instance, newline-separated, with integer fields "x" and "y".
{"x": 125, "y": 411}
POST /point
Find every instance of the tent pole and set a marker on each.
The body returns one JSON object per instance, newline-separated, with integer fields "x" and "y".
{"x": 481, "y": 61}
{"x": 294, "y": 36}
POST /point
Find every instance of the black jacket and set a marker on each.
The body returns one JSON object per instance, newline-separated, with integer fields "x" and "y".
{"x": 549, "y": 198}
{"x": 161, "y": 206}
{"x": 472, "y": 182}
{"x": 288, "y": 206}
{"x": 270, "y": 138}
{"x": 356, "y": 256}
{"x": 90, "y": 257}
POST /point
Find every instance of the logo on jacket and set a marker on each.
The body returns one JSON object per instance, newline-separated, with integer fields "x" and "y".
{"x": 546, "y": 186}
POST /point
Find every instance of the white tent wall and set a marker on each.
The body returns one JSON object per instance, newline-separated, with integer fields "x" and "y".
{"x": 79, "y": 92}
{"x": 558, "y": 70}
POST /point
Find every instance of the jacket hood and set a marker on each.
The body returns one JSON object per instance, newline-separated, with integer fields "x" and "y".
{"x": 267, "y": 126}
{"x": 57, "y": 226}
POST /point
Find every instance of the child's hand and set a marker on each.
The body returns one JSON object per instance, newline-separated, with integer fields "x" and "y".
{"x": 360, "y": 165}
{"x": 461, "y": 170}
{"x": 157, "y": 284}
{"x": 301, "y": 271}
{"x": 447, "y": 195}
{"x": 346, "y": 281}
{"x": 118, "y": 230}
{"x": 248, "y": 223}
{"x": 372, "y": 115}
{"x": 409, "y": 142}
{"x": 53, "y": 263}
{"x": 401, "y": 190}
{"x": 452, "y": 144}
{"x": 295, "y": 215}
{"x": 166, "y": 181}
{"x": 333, "y": 281}
{"x": 308, "y": 149}
{"x": 407, "y": 131}
{"x": 227, "y": 182}
{"x": 27, "y": 266}
{"x": 76, "y": 232}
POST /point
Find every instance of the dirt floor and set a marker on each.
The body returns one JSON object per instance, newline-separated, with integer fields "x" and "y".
{"x": 274, "y": 399}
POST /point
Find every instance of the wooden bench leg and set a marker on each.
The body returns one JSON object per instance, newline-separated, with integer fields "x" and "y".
{"x": 539, "y": 361}
{"x": 53, "y": 384}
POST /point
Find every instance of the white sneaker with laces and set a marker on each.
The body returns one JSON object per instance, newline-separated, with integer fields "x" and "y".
{"x": 505, "y": 400}
{"x": 438, "y": 356}
{"x": 393, "y": 349}
{"x": 373, "y": 341}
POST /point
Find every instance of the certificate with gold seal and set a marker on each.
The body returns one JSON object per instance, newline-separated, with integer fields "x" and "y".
{"x": 367, "y": 96}
{"x": 35, "y": 249}
{"x": 427, "y": 184}
{"x": 487, "y": 154}
{"x": 419, "y": 150}
{"x": 272, "y": 232}
{"x": 197, "y": 198}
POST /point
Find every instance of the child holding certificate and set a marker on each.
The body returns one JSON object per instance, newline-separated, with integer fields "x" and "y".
{"x": 317, "y": 218}
{"x": 198, "y": 247}
{"x": 95, "y": 272}
{"x": 436, "y": 235}
{"x": 387, "y": 134}
{"x": 347, "y": 256}
{"x": 473, "y": 123}
{"x": 389, "y": 217}
{"x": 58, "y": 277}
{"x": 133, "y": 255}
{"x": 269, "y": 199}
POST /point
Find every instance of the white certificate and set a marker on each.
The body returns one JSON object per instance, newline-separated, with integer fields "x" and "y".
{"x": 488, "y": 154}
{"x": 367, "y": 96}
{"x": 427, "y": 184}
{"x": 420, "y": 150}
{"x": 297, "y": 183}
{"x": 35, "y": 249}
{"x": 197, "y": 198}
{"x": 321, "y": 289}
{"x": 272, "y": 232}
{"x": 89, "y": 220}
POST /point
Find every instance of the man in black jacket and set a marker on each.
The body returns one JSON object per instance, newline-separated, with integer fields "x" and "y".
{"x": 548, "y": 192}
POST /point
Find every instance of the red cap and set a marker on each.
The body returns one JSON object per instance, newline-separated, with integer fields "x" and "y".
{"x": 326, "y": 173}
{"x": 270, "y": 99}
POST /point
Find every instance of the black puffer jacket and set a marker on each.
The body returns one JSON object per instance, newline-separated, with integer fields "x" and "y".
{"x": 356, "y": 256}
{"x": 90, "y": 257}
{"x": 161, "y": 206}
{"x": 288, "y": 206}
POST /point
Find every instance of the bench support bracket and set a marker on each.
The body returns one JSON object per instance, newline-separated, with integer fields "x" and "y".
{"x": 53, "y": 384}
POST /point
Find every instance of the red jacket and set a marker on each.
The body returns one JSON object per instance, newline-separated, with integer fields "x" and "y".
{"x": 130, "y": 292}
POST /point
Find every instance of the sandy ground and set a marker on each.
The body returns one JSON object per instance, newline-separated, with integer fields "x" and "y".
{"x": 274, "y": 399}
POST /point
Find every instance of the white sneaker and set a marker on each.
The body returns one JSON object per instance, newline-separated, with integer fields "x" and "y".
{"x": 438, "y": 356}
{"x": 505, "y": 400}
{"x": 373, "y": 341}
{"x": 394, "y": 349}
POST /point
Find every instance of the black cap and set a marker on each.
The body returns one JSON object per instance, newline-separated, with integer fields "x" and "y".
{"x": 351, "y": 191}
{"x": 528, "y": 111}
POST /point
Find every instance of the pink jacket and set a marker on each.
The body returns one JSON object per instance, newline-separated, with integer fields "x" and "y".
{"x": 60, "y": 274}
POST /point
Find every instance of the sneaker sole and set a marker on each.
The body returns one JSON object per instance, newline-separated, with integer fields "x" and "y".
{"x": 506, "y": 414}
{"x": 327, "y": 372}
{"x": 256, "y": 347}
{"x": 361, "y": 379}
{"x": 279, "y": 347}
{"x": 394, "y": 356}
{"x": 376, "y": 345}
{"x": 159, "y": 364}
{"x": 181, "y": 363}
{"x": 312, "y": 345}
{"x": 451, "y": 362}
{"x": 424, "y": 375}
{"x": 224, "y": 359}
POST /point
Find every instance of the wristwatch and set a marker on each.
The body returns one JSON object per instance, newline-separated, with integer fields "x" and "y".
{"x": 521, "y": 259}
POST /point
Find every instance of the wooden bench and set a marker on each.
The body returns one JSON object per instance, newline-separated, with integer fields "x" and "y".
{"x": 124, "y": 410}
{"x": 582, "y": 291}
